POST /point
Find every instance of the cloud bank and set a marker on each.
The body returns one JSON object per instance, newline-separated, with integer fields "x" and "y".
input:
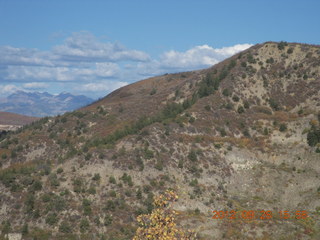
{"x": 85, "y": 64}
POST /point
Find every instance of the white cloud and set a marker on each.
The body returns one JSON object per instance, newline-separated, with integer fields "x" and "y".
{"x": 195, "y": 58}
{"x": 106, "y": 86}
{"x": 199, "y": 56}
{"x": 24, "y": 56}
{"x": 8, "y": 89}
{"x": 97, "y": 70}
{"x": 35, "y": 85}
{"x": 96, "y": 65}
{"x": 84, "y": 46}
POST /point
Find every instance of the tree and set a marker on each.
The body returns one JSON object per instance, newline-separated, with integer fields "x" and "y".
{"x": 160, "y": 223}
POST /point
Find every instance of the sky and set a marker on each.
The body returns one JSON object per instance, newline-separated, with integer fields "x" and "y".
{"x": 93, "y": 47}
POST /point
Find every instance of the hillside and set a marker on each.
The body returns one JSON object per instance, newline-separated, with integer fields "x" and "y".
{"x": 242, "y": 135}
{"x": 39, "y": 104}
{"x": 12, "y": 121}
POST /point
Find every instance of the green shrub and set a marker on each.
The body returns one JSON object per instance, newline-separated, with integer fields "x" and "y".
{"x": 65, "y": 227}
{"x": 226, "y": 92}
{"x": 96, "y": 177}
{"x": 29, "y": 202}
{"x": 84, "y": 225}
{"x": 112, "y": 180}
{"x": 6, "y": 227}
{"x": 51, "y": 219}
{"x": 240, "y": 109}
{"x": 207, "y": 107}
{"x": 270, "y": 60}
{"x": 108, "y": 220}
{"x": 192, "y": 155}
{"x": 250, "y": 58}
{"x": 235, "y": 98}
{"x": 274, "y": 104}
{"x": 153, "y": 91}
{"x": 25, "y": 229}
{"x": 36, "y": 186}
{"x": 246, "y": 104}
{"x": 148, "y": 154}
{"x": 290, "y": 50}
{"x": 159, "y": 165}
{"x": 246, "y": 133}
{"x": 282, "y": 45}
{"x": 223, "y": 132}
{"x": 282, "y": 127}
{"x": 313, "y": 136}
{"x": 86, "y": 205}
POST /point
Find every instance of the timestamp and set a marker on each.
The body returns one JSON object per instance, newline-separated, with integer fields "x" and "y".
{"x": 261, "y": 214}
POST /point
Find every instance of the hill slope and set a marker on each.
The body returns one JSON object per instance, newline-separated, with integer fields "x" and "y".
{"x": 240, "y": 136}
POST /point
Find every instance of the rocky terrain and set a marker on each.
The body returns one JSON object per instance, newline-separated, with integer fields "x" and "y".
{"x": 44, "y": 104}
{"x": 241, "y": 137}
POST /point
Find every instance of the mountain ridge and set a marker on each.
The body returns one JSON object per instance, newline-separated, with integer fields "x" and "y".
{"x": 41, "y": 104}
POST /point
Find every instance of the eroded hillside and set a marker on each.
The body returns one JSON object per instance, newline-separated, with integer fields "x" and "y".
{"x": 242, "y": 135}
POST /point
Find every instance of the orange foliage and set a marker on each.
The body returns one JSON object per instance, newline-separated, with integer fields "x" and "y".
{"x": 160, "y": 224}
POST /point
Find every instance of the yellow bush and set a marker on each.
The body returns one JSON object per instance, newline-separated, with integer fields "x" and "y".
{"x": 160, "y": 224}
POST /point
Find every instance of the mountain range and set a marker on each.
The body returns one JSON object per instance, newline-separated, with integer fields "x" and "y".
{"x": 41, "y": 104}
{"x": 239, "y": 143}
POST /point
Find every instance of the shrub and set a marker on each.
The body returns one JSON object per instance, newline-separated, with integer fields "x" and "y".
{"x": 65, "y": 227}
{"x": 270, "y": 60}
{"x": 159, "y": 165}
{"x": 108, "y": 220}
{"x": 290, "y": 50}
{"x": 282, "y": 45}
{"x": 51, "y": 219}
{"x": 112, "y": 180}
{"x": 274, "y": 104}
{"x": 86, "y": 204}
{"x": 246, "y": 104}
{"x": 251, "y": 58}
{"x": 223, "y": 132}
{"x": 29, "y": 203}
{"x": 282, "y": 127}
{"x": 246, "y": 133}
{"x": 226, "y": 92}
{"x": 240, "y": 109}
{"x": 84, "y": 225}
{"x": 235, "y": 98}
{"x": 96, "y": 177}
{"x": 192, "y": 155}
{"x": 25, "y": 229}
{"x": 207, "y": 107}
{"x": 160, "y": 223}
{"x": 313, "y": 136}
{"x": 153, "y": 91}
{"x": 228, "y": 106}
{"x": 36, "y": 186}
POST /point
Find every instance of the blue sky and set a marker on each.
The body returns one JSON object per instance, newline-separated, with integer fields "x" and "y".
{"x": 92, "y": 47}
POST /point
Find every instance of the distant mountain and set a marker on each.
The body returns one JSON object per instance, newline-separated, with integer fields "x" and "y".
{"x": 42, "y": 104}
